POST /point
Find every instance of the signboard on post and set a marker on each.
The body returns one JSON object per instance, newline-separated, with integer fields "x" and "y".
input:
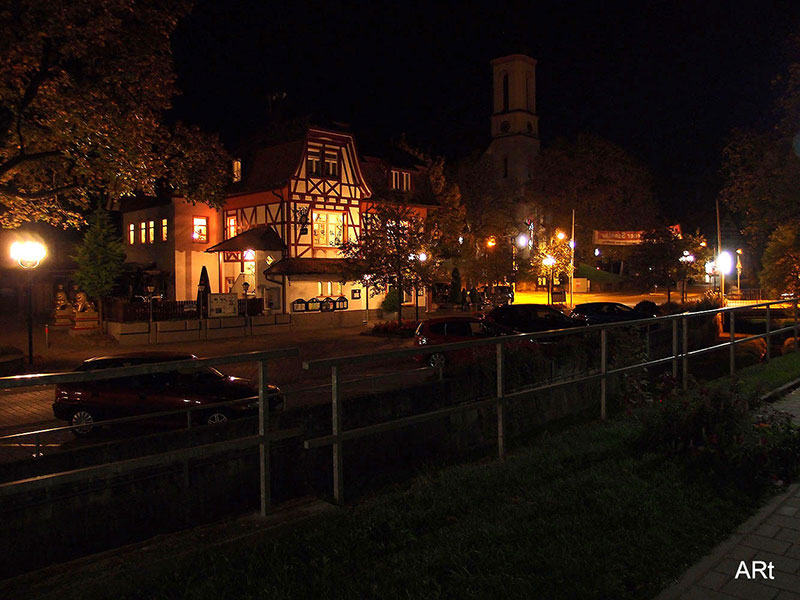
{"x": 223, "y": 305}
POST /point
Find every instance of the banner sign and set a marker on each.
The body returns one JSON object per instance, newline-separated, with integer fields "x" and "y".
{"x": 624, "y": 238}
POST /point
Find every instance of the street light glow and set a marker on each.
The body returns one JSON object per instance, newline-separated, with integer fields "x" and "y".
{"x": 522, "y": 240}
{"x": 28, "y": 254}
{"x": 491, "y": 242}
{"x": 724, "y": 262}
{"x": 561, "y": 235}
{"x": 423, "y": 257}
{"x": 548, "y": 261}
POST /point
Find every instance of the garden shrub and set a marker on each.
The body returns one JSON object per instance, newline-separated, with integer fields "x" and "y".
{"x": 717, "y": 433}
{"x": 391, "y": 303}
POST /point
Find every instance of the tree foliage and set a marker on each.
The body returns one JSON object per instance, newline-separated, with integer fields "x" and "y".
{"x": 657, "y": 260}
{"x": 84, "y": 88}
{"x": 762, "y": 169}
{"x": 608, "y": 188}
{"x": 99, "y": 256}
{"x": 781, "y": 271}
{"x": 389, "y": 251}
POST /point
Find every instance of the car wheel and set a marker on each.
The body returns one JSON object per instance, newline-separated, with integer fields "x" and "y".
{"x": 86, "y": 419}
{"x": 436, "y": 360}
{"x": 216, "y": 417}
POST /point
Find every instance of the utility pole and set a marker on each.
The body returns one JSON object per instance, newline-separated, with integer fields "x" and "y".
{"x": 572, "y": 261}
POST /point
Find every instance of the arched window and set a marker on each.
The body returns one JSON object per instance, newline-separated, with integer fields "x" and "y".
{"x": 505, "y": 92}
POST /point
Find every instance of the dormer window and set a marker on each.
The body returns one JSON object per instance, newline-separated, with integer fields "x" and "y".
{"x": 237, "y": 169}
{"x": 331, "y": 164}
{"x": 313, "y": 165}
{"x": 401, "y": 180}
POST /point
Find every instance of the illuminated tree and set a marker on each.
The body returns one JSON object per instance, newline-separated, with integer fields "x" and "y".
{"x": 389, "y": 250}
{"x": 100, "y": 257}
{"x": 84, "y": 88}
{"x": 781, "y": 272}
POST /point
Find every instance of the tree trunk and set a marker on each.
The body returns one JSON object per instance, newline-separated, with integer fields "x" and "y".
{"x": 399, "y": 299}
{"x": 668, "y": 296}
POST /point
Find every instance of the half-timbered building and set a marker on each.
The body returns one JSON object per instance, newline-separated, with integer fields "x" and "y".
{"x": 291, "y": 205}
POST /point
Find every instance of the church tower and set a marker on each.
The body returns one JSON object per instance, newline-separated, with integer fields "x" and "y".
{"x": 515, "y": 126}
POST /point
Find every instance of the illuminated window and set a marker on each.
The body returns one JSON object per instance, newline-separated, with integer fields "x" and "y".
{"x": 151, "y": 231}
{"x": 328, "y": 228}
{"x": 231, "y": 224}
{"x": 163, "y": 230}
{"x": 237, "y": 169}
{"x": 131, "y": 234}
{"x": 143, "y": 232}
{"x": 200, "y": 229}
{"x": 313, "y": 166}
{"x": 331, "y": 164}
{"x": 401, "y": 180}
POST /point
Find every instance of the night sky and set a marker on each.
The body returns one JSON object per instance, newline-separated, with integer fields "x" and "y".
{"x": 665, "y": 80}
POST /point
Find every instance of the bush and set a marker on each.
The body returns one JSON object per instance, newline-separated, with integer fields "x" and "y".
{"x": 717, "y": 434}
{"x": 393, "y": 329}
{"x": 391, "y": 303}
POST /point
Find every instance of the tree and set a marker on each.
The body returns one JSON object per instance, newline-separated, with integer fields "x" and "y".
{"x": 84, "y": 88}
{"x": 663, "y": 258}
{"x": 607, "y": 188}
{"x": 781, "y": 271}
{"x": 100, "y": 257}
{"x": 388, "y": 253}
{"x": 762, "y": 169}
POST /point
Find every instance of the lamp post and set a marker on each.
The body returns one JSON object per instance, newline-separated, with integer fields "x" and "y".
{"x": 686, "y": 260}
{"x": 724, "y": 264}
{"x": 548, "y": 262}
{"x": 150, "y": 289}
{"x": 739, "y": 270}
{"x": 29, "y": 255}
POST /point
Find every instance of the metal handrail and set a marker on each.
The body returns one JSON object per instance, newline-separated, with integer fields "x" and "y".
{"x": 338, "y": 434}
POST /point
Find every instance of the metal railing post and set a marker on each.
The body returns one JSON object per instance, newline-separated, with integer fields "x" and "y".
{"x": 501, "y": 442}
{"x": 675, "y": 348}
{"x": 38, "y": 453}
{"x": 263, "y": 431}
{"x": 685, "y": 353}
{"x": 336, "y": 426}
{"x": 767, "y": 338}
{"x": 603, "y": 369}
{"x": 733, "y": 342}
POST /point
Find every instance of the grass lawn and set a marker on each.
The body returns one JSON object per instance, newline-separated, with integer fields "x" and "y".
{"x": 576, "y": 514}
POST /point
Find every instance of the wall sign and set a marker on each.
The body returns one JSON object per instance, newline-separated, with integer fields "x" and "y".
{"x": 223, "y": 305}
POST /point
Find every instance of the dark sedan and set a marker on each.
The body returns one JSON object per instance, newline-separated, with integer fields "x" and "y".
{"x": 596, "y": 313}
{"x": 529, "y": 318}
{"x": 85, "y": 403}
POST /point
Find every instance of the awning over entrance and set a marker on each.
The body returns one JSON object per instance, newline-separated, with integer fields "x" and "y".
{"x": 306, "y": 266}
{"x": 260, "y": 237}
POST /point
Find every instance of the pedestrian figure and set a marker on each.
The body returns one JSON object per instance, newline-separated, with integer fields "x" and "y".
{"x": 464, "y": 300}
{"x": 473, "y": 297}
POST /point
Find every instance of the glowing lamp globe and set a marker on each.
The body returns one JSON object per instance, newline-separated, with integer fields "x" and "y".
{"x": 522, "y": 240}
{"x": 548, "y": 261}
{"x": 28, "y": 254}
{"x": 724, "y": 262}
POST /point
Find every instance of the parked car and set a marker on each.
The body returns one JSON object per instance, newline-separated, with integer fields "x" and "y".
{"x": 85, "y": 403}
{"x": 446, "y": 330}
{"x": 528, "y": 318}
{"x": 498, "y": 295}
{"x": 595, "y": 313}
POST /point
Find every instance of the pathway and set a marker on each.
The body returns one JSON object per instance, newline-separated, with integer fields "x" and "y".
{"x": 771, "y": 536}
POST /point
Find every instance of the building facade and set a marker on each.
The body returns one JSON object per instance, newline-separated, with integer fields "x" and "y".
{"x": 291, "y": 205}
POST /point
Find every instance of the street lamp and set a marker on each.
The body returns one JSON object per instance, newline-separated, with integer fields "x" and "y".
{"x": 686, "y": 260}
{"x": 739, "y": 270}
{"x": 548, "y": 261}
{"x": 29, "y": 255}
{"x": 724, "y": 265}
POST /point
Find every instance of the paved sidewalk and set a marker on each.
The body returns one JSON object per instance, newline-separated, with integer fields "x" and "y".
{"x": 772, "y": 536}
